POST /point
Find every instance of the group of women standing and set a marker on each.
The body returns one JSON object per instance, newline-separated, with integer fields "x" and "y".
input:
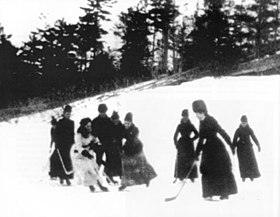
{"x": 99, "y": 142}
{"x": 215, "y": 166}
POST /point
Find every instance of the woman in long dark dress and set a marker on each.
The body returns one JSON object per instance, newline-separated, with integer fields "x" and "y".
{"x": 185, "y": 148}
{"x": 54, "y": 160}
{"x": 64, "y": 134}
{"x": 248, "y": 166}
{"x": 215, "y": 167}
{"x": 113, "y": 165}
{"x": 101, "y": 128}
{"x": 136, "y": 169}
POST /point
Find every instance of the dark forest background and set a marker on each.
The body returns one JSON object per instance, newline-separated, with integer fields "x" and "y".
{"x": 68, "y": 61}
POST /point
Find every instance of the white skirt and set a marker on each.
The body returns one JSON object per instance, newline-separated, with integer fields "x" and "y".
{"x": 86, "y": 170}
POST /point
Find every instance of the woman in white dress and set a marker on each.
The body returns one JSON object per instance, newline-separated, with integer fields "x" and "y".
{"x": 85, "y": 167}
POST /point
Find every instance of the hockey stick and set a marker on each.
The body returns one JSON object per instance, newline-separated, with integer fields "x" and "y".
{"x": 105, "y": 174}
{"x": 176, "y": 170}
{"x": 182, "y": 185}
{"x": 109, "y": 178}
{"x": 64, "y": 168}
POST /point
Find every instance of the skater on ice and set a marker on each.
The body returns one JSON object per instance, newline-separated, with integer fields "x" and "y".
{"x": 114, "y": 161}
{"x": 185, "y": 148}
{"x": 53, "y": 138}
{"x": 215, "y": 166}
{"x": 64, "y": 139}
{"x": 54, "y": 160}
{"x": 136, "y": 169}
{"x": 248, "y": 165}
{"x": 101, "y": 129}
{"x": 85, "y": 167}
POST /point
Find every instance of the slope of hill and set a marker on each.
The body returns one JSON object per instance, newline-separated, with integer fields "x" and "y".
{"x": 265, "y": 66}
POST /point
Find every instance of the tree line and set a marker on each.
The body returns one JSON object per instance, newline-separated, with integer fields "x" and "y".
{"x": 70, "y": 60}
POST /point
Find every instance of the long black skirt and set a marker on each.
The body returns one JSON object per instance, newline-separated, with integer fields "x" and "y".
{"x": 61, "y": 165}
{"x": 248, "y": 166}
{"x": 184, "y": 160}
{"x": 113, "y": 165}
{"x": 216, "y": 169}
{"x": 136, "y": 170}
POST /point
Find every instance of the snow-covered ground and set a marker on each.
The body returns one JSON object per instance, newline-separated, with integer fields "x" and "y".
{"x": 25, "y": 189}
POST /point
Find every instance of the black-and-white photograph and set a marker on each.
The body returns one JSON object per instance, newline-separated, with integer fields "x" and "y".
{"x": 139, "y": 108}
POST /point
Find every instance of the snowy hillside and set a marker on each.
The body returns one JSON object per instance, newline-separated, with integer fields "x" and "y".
{"x": 25, "y": 189}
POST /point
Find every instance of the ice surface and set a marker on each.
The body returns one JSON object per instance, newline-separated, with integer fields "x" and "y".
{"x": 25, "y": 189}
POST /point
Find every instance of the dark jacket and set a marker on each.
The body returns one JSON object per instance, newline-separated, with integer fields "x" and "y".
{"x": 185, "y": 150}
{"x": 132, "y": 144}
{"x": 113, "y": 166}
{"x": 102, "y": 128}
{"x": 208, "y": 130}
{"x": 248, "y": 166}
{"x": 185, "y": 130}
{"x": 64, "y": 133}
{"x": 118, "y": 133}
{"x": 242, "y": 137}
{"x": 216, "y": 167}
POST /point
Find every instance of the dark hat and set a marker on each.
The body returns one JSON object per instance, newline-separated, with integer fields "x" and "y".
{"x": 67, "y": 108}
{"x": 53, "y": 121}
{"x": 85, "y": 121}
{"x": 199, "y": 106}
{"x": 128, "y": 117}
{"x": 102, "y": 108}
{"x": 244, "y": 118}
{"x": 185, "y": 113}
{"x": 115, "y": 115}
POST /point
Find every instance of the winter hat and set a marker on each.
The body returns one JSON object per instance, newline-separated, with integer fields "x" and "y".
{"x": 185, "y": 113}
{"x": 102, "y": 108}
{"x": 67, "y": 108}
{"x": 115, "y": 115}
{"x": 85, "y": 121}
{"x": 244, "y": 118}
{"x": 199, "y": 106}
{"x": 53, "y": 121}
{"x": 128, "y": 117}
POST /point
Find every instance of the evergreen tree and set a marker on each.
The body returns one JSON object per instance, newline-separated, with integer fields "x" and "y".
{"x": 47, "y": 56}
{"x": 91, "y": 31}
{"x": 8, "y": 63}
{"x": 28, "y": 78}
{"x": 162, "y": 15}
{"x": 134, "y": 33}
{"x": 265, "y": 13}
{"x": 90, "y": 34}
{"x": 243, "y": 30}
{"x": 185, "y": 46}
{"x": 102, "y": 71}
{"x": 211, "y": 40}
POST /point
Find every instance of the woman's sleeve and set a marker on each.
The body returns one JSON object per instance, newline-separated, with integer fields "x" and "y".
{"x": 254, "y": 137}
{"x": 235, "y": 138}
{"x": 194, "y": 130}
{"x": 73, "y": 132}
{"x": 199, "y": 147}
{"x": 136, "y": 132}
{"x": 78, "y": 140}
{"x": 176, "y": 135}
{"x": 223, "y": 133}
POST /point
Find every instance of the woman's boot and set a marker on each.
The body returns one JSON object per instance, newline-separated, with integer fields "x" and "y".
{"x": 103, "y": 188}
{"x": 91, "y": 188}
